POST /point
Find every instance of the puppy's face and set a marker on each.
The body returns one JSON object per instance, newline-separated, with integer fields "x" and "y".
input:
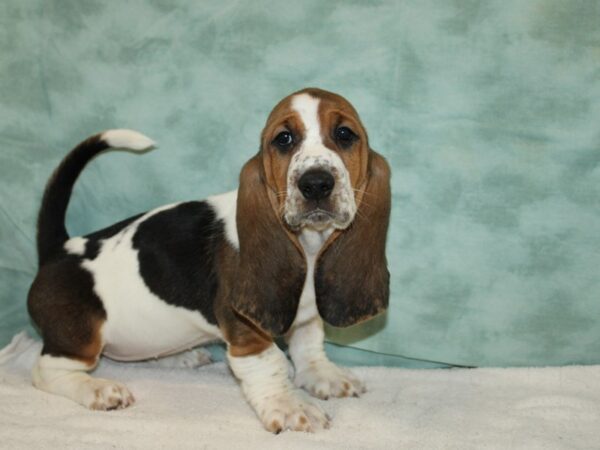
{"x": 315, "y": 154}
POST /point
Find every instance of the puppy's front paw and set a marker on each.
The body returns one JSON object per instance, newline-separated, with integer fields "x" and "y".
{"x": 324, "y": 379}
{"x": 291, "y": 411}
{"x": 105, "y": 395}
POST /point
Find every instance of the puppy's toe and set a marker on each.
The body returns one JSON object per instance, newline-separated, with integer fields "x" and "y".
{"x": 325, "y": 380}
{"x": 106, "y": 395}
{"x": 291, "y": 411}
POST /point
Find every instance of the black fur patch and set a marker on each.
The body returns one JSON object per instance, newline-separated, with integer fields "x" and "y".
{"x": 51, "y": 233}
{"x": 62, "y": 301}
{"x": 92, "y": 246}
{"x": 177, "y": 250}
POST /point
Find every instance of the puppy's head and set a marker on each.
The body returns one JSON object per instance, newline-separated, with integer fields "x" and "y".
{"x": 313, "y": 170}
{"x": 315, "y": 152}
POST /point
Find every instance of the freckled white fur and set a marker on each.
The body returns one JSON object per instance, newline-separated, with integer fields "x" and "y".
{"x": 265, "y": 383}
{"x": 313, "y": 154}
{"x": 225, "y": 206}
{"x": 139, "y": 324}
{"x": 128, "y": 139}
{"x": 76, "y": 245}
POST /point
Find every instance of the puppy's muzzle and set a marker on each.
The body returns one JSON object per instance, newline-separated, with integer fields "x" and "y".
{"x": 316, "y": 184}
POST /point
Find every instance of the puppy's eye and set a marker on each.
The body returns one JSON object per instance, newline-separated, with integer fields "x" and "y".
{"x": 345, "y": 136}
{"x": 284, "y": 140}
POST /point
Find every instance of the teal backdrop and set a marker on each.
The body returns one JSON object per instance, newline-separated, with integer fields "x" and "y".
{"x": 488, "y": 112}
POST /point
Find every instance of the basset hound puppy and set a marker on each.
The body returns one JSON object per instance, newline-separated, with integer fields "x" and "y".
{"x": 301, "y": 241}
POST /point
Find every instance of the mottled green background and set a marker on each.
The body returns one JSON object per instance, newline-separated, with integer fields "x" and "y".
{"x": 489, "y": 113}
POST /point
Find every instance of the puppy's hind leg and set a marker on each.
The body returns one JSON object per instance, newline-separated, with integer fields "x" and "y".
{"x": 67, "y": 377}
{"x": 70, "y": 317}
{"x": 189, "y": 359}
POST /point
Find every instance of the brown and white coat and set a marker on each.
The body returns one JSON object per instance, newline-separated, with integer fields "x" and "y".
{"x": 301, "y": 241}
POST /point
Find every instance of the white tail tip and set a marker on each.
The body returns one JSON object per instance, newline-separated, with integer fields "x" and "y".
{"x": 129, "y": 139}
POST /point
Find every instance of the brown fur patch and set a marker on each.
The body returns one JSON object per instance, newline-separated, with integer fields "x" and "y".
{"x": 62, "y": 303}
{"x": 244, "y": 338}
{"x": 275, "y": 161}
{"x": 90, "y": 352}
{"x": 334, "y": 112}
{"x": 249, "y": 348}
{"x": 351, "y": 276}
{"x": 276, "y": 427}
{"x": 271, "y": 270}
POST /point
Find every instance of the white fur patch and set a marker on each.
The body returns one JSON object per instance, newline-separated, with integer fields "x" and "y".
{"x": 307, "y": 108}
{"x": 139, "y": 324}
{"x": 311, "y": 242}
{"x": 76, "y": 245}
{"x": 225, "y": 206}
{"x": 314, "y": 372}
{"x": 128, "y": 139}
{"x": 313, "y": 154}
{"x": 265, "y": 382}
{"x": 68, "y": 377}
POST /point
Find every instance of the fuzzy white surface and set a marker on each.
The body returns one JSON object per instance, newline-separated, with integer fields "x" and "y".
{"x": 541, "y": 408}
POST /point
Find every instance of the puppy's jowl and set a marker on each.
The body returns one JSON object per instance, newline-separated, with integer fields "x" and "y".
{"x": 301, "y": 241}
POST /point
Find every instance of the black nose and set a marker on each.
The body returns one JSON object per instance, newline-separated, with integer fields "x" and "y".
{"x": 316, "y": 184}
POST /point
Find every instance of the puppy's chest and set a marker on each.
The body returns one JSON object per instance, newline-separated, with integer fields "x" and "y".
{"x": 312, "y": 242}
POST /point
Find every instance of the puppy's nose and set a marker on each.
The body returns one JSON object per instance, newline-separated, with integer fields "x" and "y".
{"x": 316, "y": 184}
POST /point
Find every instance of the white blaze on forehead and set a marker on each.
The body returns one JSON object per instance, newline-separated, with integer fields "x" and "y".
{"x": 307, "y": 108}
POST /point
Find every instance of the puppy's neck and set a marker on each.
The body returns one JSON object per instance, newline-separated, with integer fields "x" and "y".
{"x": 312, "y": 240}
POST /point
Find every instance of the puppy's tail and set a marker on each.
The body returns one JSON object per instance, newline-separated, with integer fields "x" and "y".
{"x": 51, "y": 231}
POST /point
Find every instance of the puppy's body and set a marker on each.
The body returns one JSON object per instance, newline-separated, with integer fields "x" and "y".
{"x": 161, "y": 300}
{"x": 271, "y": 258}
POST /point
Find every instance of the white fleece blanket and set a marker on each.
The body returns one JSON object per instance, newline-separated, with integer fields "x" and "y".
{"x": 544, "y": 408}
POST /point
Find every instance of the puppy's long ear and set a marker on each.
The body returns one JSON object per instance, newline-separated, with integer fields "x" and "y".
{"x": 351, "y": 277}
{"x": 271, "y": 268}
